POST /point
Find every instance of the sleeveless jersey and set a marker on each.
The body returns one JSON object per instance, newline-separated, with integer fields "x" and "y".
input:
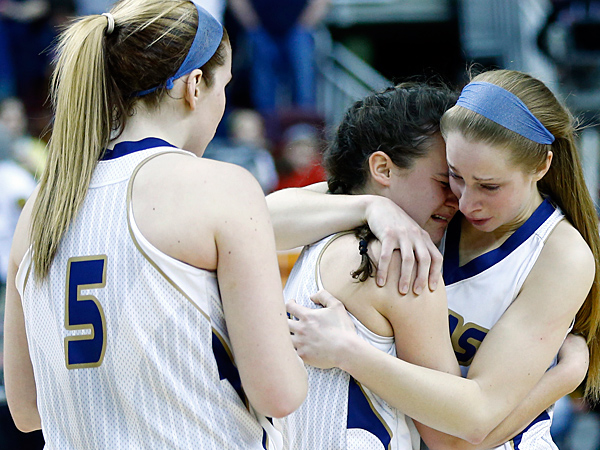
{"x": 339, "y": 413}
{"x": 129, "y": 346}
{"x": 480, "y": 291}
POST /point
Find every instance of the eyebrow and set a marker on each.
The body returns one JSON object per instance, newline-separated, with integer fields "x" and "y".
{"x": 475, "y": 178}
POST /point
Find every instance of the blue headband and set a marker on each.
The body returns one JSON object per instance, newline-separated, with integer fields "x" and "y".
{"x": 206, "y": 42}
{"x": 504, "y": 108}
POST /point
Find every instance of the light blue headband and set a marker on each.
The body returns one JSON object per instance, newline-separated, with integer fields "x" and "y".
{"x": 206, "y": 42}
{"x": 504, "y": 108}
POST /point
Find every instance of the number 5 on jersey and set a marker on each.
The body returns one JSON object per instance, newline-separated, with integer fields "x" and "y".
{"x": 84, "y": 312}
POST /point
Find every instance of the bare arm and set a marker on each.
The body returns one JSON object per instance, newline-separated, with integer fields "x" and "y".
{"x": 272, "y": 373}
{"x": 562, "y": 379}
{"x": 20, "y": 383}
{"x": 303, "y": 216}
{"x": 223, "y": 224}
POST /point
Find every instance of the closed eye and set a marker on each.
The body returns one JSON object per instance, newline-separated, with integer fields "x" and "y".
{"x": 488, "y": 187}
{"x": 454, "y": 175}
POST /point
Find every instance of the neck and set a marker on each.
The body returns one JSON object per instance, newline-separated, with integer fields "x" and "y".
{"x": 164, "y": 123}
{"x": 474, "y": 242}
{"x": 510, "y": 227}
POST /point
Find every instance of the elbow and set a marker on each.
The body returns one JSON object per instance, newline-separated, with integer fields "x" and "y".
{"x": 436, "y": 440}
{"x": 26, "y": 423}
{"x": 279, "y": 403}
{"x": 279, "y": 407}
{"x": 473, "y": 427}
{"x": 478, "y": 430}
{"x": 24, "y": 414}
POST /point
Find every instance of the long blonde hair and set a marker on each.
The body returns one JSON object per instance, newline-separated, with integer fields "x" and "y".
{"x": 93, "y": 91}
{"x": 563, "y": 183}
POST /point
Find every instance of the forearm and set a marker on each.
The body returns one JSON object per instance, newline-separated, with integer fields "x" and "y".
{"x": 301, "y": 217}
{"x": 445, "y": 402}
{"x": 555, "y": 384}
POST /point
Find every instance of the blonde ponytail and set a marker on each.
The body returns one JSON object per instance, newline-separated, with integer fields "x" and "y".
{"x": 93, "y": 90}
{"x": 81, "y": 131}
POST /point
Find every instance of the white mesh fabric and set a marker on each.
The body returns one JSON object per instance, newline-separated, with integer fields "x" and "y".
{"x": 158, "y": 386}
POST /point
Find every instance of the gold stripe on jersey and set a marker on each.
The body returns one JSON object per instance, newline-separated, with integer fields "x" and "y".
{"x": 87, "y": 326}
{"x": 325, "y": 247}
{"x": 136, "y": 243}
{"x": 27, "y": 275}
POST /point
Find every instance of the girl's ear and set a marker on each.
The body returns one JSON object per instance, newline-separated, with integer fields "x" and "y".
{"x": 193, "y": 88}
{"x": 545, "y": 167}
{"x": 380, "y": 166}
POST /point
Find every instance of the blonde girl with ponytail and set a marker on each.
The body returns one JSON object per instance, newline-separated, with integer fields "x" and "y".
{"x": 144, "y": 305}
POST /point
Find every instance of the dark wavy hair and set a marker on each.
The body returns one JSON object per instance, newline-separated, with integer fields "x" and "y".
{"x": 401, "y": 122}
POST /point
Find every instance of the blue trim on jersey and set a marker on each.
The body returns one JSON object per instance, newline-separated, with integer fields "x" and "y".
{"x": 361, "y": 414}
{"x": 128, "y": 147}
{"x": 454, "y": 273}
{"x": 519, "y": 437}
{"x": 227, "y": 369}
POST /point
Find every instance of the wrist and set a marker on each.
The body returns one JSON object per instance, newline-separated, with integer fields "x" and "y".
{"x": 349, "y": 352}
{"x": 369, "y": 203}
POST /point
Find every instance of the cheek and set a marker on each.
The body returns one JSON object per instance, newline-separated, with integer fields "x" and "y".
{"x": 454, "y": 187}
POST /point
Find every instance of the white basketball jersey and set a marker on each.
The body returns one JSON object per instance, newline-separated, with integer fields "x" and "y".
{"x": 129, "y": 346}
{"x": 480, "y": 291}
{"x": 339, "y": 413}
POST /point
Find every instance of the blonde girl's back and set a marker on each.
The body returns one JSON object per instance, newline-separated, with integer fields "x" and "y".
{"x": 162, "y": 262}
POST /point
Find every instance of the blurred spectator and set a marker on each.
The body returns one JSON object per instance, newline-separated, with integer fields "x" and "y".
{"x": 26, "y": 34}
{"x": 28, "y": 151}
{"x": 16, "y": 185}
{"x": 279, "y": 34}
{"x": 246, "y": 145}
{"x": 215, "y": 7}
{"x": 300, "y": 157}
{"x": 87, "y": 7}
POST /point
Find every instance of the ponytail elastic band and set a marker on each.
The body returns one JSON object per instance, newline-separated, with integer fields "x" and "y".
{"x": 206, "y": 42}
{"x": 363, "y": 247}
{"x": 504, "y": 108}
{"x": 111, "y": 23}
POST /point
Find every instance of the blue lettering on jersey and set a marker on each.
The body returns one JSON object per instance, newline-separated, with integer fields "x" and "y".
{"x": 466, "y": 338}
{"x": 362, "y": 415}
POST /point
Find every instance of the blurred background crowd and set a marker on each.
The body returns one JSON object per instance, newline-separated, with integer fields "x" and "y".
{"x": 298, "y": 64}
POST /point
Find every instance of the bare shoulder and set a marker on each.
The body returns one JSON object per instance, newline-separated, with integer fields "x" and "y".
{"x": 182, "y": 204}
{"x": 562, "y": 275}
{"x": 361, "y": 298}
{"x": 379, "y": 308}
{"x": 567, "y": 254}
{"x": 205, "y": 182}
